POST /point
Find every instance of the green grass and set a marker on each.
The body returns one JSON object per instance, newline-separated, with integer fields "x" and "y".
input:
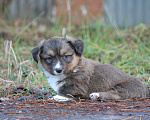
{"x": 128, "y": 50}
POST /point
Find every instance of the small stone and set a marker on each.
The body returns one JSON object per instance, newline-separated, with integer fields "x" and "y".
{"x": 20, "y": 86}
{"x": 37, "y": 96}
{"x": 20, "y": 111}
{"x": 108, "y": 107}
{"x": 48, "y": 96}
{"x": 23, "y": 98}
{"x": 35, "y": 90}
{"x": 17, "y": 90}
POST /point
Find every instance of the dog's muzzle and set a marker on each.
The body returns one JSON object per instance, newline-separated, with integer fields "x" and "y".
{"x": 58, "y": 69}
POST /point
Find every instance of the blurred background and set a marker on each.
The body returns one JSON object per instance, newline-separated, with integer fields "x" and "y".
{"x": 123, "y": 13}
{"x": 114, "y": 31}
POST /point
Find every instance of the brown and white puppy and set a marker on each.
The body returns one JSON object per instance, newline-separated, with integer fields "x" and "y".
{"x": 71, "y": 74}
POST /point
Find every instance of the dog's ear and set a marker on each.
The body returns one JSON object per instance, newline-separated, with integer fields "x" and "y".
{"x": 76, "y": 44}
{"x": 37, "y": 50}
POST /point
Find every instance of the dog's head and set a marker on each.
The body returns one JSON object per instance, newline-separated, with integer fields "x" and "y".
{"x": 59, "y": 55}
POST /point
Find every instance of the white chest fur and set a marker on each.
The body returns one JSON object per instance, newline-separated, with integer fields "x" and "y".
{"x": 53, "y": 80}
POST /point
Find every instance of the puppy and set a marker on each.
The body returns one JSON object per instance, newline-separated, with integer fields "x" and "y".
{"x": 70, "y": 74}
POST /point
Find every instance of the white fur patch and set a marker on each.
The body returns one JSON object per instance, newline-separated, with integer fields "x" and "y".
{"x": 60, "y": 98}
{"x": 58, "y": 65}
{"x": 53, "y": 80}
{"x": 76, "y": 69}
{"x": 94, "y": 96}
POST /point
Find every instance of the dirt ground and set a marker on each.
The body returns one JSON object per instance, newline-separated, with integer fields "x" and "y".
{"x": 30, "y": 108}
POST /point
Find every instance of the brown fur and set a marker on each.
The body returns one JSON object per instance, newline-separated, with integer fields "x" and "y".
{"x": 74, "y": 62}
{"x": 91, "y": 76}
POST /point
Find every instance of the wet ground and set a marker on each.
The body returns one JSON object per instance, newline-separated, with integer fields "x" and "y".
{"x": 130, "y": 109}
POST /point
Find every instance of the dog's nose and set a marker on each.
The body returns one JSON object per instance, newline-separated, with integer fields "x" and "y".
{"x": 58, "y": 70}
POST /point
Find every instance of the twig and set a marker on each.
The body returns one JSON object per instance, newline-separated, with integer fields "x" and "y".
{"x": 5, "y": 80}
{"x": 20, "y": 64}
{"x": 13, "y": 53}
{"x": 131, "y": 117}
{"x": 134, "y": 110}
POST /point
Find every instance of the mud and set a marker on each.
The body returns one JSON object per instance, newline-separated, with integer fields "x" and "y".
{"x": 131, "y": 109}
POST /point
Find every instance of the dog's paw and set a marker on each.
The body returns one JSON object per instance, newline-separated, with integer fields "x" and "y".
{"x": 60, "y": 98}
{"x": 94, "y": 96}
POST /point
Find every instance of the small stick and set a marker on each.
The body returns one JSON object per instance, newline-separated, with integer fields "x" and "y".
{"x": 131, "y": 117}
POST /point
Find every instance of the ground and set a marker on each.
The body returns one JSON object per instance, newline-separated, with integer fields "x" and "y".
{"x": 75, "y": 109}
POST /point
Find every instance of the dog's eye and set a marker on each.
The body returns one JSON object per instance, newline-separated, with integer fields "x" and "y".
{"x": 66, "y": 57}
{"x": 50, "y": 59}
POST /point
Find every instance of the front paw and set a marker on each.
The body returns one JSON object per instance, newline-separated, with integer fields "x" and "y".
{"x": 60, "y": 98}
{"x": 94, "y": 96}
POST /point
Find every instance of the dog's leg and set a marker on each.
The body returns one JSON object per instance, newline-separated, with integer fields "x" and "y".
{"x": 112, "y": 94}
{"x": 60, "y": 98}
